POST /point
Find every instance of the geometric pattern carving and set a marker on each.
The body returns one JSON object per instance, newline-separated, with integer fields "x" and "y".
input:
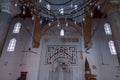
{"x": 61, "y": 51}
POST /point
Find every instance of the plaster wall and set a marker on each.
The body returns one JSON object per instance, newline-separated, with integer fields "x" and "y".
{"x": 12, "y": 63}
{"x": 107, "y": 66}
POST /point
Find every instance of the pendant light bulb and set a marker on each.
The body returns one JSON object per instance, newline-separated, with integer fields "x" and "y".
{"x": 48, "y": 6}
{"x": 83, "y": 19}
{"x": 71, "y": 5}
{"x": 24, "y": 12}
{"x": 66, "y": 24}
{"x": 49, "y": 24}
{"x": 40, "y": 0}
{"x": 75, "y": 6}
{"x": 33, "y": 17}
{"x": 40, "y": 21}
{"x": 91, "y": 14}
{"x": 58, "y": 25}
{"x": 98, "y": 7}
{"x": 75, "y": 22}
{"x": 15, "y": 4}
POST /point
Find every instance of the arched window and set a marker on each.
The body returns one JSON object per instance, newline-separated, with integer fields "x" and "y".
{"x": 107, "y": 29}
{"x": 112, "y": 47}
{"x": 11, "y": 45}
{"x": 17, "y": 27}
{"x": 62, "y": 32}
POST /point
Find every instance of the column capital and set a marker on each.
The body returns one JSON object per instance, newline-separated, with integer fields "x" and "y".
{"x": 111, "y": 6}
{"x": 8, "y": 7}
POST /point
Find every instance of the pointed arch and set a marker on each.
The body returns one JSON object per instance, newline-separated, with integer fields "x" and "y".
{"x": 70, "y": 23}
{"x": 62, "y": 71}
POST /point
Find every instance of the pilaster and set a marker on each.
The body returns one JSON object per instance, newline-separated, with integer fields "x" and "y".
{"x": 112, "y": 9}
{"x": 8, "y": 10}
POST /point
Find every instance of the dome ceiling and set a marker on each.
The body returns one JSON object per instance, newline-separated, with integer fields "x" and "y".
{"x": 57, "y": 2}
{"x": 59, "y": 9}
{"x": 73, "y": 9}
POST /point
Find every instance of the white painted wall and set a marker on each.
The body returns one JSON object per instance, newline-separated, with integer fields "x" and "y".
{"x": 78, "y": 69}
{"x": 100, "y": 56}
{"x": 10, "y": 62}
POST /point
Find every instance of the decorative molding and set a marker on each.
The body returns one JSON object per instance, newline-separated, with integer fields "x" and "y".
{"x": 70, "y": 39}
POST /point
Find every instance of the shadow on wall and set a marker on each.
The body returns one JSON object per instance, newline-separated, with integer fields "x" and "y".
{"x": 22, "y": 76}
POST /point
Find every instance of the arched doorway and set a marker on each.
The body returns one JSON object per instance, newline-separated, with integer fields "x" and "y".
{"x": 61, "y": 70}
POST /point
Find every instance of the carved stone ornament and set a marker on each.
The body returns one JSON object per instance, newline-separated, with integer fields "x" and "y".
{"x": 67, "y": 52}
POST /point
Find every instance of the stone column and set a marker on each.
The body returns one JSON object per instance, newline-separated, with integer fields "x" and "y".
{"x": 7, "y": 12}
{"x": 113, "y": 10}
